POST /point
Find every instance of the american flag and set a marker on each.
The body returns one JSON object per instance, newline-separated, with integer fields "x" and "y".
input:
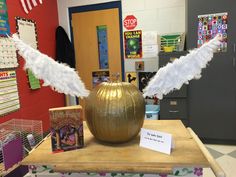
{"x": 27, "y": 4}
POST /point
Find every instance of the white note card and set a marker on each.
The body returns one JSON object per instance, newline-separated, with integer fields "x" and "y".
{"x": 156, "y": 140}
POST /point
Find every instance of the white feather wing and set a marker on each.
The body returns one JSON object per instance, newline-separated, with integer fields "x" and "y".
{"x": 182, "y": 70}
{"x": 59, "y": 76}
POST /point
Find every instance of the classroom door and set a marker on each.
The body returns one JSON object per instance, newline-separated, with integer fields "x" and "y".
{"x": 84, "y": 25}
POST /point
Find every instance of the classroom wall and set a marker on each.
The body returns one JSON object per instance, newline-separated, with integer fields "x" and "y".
{"x": 161, "y": 16}
{"x": 35, "y": 103}
{"x": 153, "y": 15}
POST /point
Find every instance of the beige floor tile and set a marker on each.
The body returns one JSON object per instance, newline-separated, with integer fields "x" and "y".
{"x": 228, "y": 164}
{"x": 225, "y": 149}
{"x": 207, "y": 172}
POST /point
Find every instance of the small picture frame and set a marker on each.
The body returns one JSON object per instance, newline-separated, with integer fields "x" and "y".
{"x": 139, "y": 65}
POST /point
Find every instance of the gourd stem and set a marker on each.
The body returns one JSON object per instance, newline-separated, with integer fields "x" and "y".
{"x": 115, "y": 77}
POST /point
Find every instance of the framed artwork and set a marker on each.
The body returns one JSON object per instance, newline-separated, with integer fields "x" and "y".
{"x": 210, "y": 25}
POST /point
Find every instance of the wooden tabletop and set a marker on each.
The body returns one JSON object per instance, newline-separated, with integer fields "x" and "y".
{"x": 127, "y": 157}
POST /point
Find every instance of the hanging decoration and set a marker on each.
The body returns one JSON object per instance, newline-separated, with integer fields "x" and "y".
{"x": 59, "y": 76}
{"x": 182, "y": 70}
{"x": 27, "y": 4}
{"x": 65, "y": 80}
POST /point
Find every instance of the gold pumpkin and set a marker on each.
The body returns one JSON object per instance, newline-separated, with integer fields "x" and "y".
{"x": 115, "y": 111}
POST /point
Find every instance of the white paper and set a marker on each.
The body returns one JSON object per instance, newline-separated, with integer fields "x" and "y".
{"x": 156, "y": 140}
{"x": 27, "y": 32}
{"x": 150, "y": 51}
{"x": 149, "y": 38}
{"x": 8, "y": 57}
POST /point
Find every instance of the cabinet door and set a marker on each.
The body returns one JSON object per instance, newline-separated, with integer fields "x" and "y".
{"x": 212, "y": 98}
{"x": 173, "y": 109}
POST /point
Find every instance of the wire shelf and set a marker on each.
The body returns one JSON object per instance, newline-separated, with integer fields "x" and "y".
{"x": 21, "y": 129}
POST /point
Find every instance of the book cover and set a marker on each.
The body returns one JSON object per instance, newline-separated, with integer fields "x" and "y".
{"x": 66, "y": 128}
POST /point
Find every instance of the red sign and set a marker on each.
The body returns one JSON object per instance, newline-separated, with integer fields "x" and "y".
{"x": 130, "y": 22}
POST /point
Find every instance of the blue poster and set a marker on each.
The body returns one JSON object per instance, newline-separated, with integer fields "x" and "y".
{"x": 102, "y": 47}
{"x": 4, "y": 24}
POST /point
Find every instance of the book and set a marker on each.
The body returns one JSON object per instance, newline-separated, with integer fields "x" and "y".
{"x": 66, "y": 128}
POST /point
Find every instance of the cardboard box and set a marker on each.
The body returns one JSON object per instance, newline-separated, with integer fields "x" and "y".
{"x": 66, "y": 128}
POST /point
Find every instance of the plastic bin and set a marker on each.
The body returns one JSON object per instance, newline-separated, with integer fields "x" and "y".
{"x": 152, "y": 112}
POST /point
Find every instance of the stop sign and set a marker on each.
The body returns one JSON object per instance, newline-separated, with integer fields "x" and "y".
{"x": 130, "y": 22}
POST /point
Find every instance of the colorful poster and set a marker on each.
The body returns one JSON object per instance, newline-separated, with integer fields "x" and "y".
{"x": 131, "y": 77}
{"x": 9, "y": 98}
{"x": 133, "y": 44}
{"x": 4, "y": 24}
{"x": 102, "y": 46}
{"x": 99, "y": 77}
{"x": 210, "y": 25}
{"x": 144, "y": 78}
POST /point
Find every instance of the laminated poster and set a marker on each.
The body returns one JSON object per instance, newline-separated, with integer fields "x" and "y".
{"x": 8, "y": 56}
{"x": 131, "y": 77}
{"x": 9, "y": 98}
{"x": 144, "y": 78}
{"x": 4, "y": 24}
{"x": 133, "y": 44}
{"x": 210, "y": 25}
{"x": 102, "y": 46}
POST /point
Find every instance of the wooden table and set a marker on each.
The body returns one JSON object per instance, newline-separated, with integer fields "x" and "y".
{"x": 128, "y": 157}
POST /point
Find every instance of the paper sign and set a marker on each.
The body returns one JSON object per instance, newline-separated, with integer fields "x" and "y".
{"x": 150, "y": 38}
{"x": 155, "y": 140}
{"x": 150, "y": 51}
